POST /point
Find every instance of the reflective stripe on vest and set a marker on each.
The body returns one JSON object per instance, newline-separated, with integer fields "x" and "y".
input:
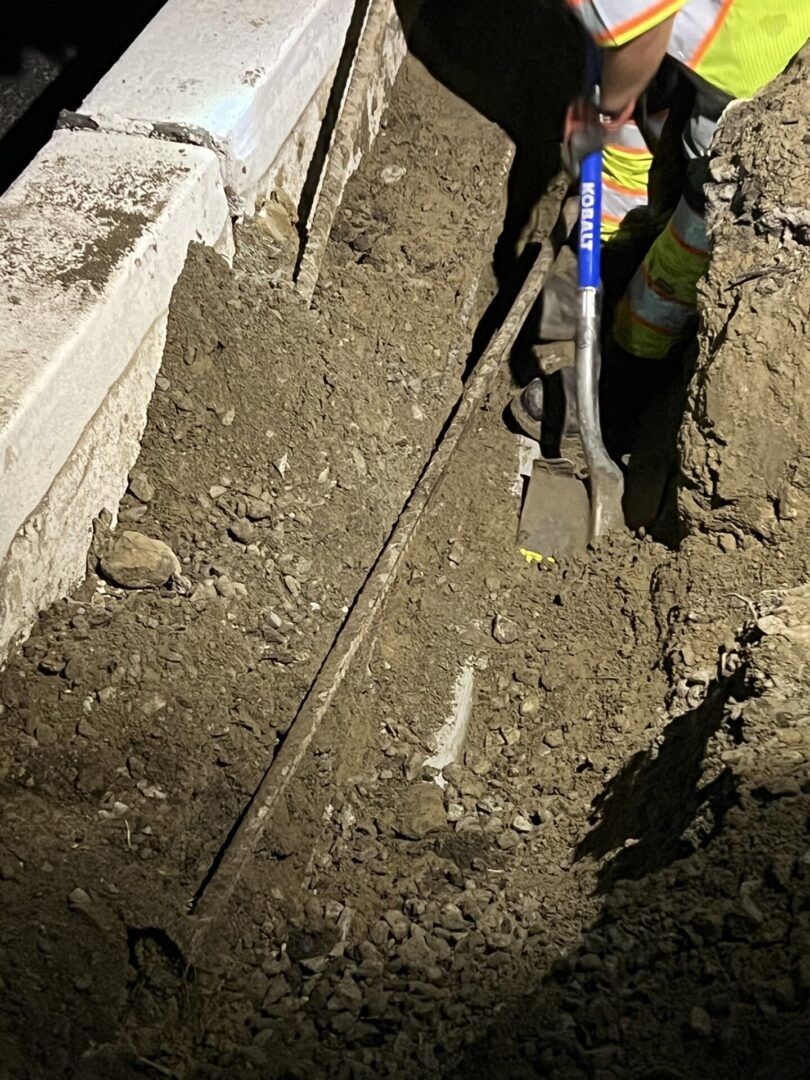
{"x": 626, "y": 162}
{"x": 660, "y": 305}
{"x": 614, "y": 22}
{"x": 750, "y": 43}
{"x": 738, "y": 46}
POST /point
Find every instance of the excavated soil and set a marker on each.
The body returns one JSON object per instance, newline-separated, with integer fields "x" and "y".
{"x": 613, "y": 879}
{"x": 280, "y": 447}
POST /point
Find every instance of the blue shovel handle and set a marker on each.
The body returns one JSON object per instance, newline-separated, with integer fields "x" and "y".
{"x": 590, "y": 221}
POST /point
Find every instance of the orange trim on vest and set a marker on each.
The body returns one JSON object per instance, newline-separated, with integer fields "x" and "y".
{"x": 631, "y": 151}
{"x": 639, "y": 20}
{"x": 620, "y": 189}
{"x": 704, "y": 46}
{"x": 687, "y": 247}
{"x": 634, "y": 315}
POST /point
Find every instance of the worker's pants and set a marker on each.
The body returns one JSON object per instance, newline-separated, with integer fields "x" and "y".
{"x": 659, "y": 308}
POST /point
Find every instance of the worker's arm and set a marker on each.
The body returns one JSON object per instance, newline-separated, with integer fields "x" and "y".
{"x": 627, "y": 70}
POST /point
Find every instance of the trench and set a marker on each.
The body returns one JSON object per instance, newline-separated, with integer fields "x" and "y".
{"x": 610, "y": 880}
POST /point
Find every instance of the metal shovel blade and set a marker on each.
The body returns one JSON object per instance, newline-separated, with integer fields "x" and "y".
{"x": 556, "y": 514}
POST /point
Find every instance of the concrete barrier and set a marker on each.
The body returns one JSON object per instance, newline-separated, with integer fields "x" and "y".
{"x": 93, "y": 237}
{"x": 212, "y": 110}
{"x": 236, "y": 77}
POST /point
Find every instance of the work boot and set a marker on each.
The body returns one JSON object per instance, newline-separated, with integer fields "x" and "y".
{"x": 557, "y": 385}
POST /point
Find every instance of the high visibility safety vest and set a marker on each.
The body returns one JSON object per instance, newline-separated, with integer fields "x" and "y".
{"x": 737, "y": 46}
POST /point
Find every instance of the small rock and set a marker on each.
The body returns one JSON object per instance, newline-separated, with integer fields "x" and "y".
{"x": 137, "y": 561}
{"x": 45, "y": 734}
{"x": 52, "y": 664}
{"x": 225, "y": 587}
{"x": 477, "y": 763}
{"x": 727, "y": 542}
{"x": 346, "y": 997}
{"x": 216, "y": 490}
{"x": 505, "y": 631}
{"x": 91, "y": 779}
{"x": 554, "y": 738}
{"x": 133, "y": 514}
{"x": 277, "y": 988}
{"x": 9, "y": 869}
{"x": 589, "y": 962}
{"x": 392, "y": 174}
{"x": 183, "y": 584}
{"x": 530, "y": 706}
{"x": 141, "y": 487}
{"x": 152, "y": 703}
{"x": 398, "y": 923}
{"x": 700, "y": 1023}
{"x": 453, "y": 774}
{"x": 783, "y": 787}
{"x": 228, "y": 417}
{"x": 422, "y": 811}
{"x": 456, "y": 553}
{"x": 521, "y": 824}
{"x": 79, "y": 899}
{"x": 259, "y": 509}
{"x": 292, "y": 585}
{"x": 507, "y": 840}
{"x": 452, "y": 918}
{"x": 315, "y": 965}
{"x": 243, "y": 530}
{"x": 413, "y": 766}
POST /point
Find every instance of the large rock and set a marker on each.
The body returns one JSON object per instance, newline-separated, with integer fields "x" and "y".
{"x": 422, "y": 811}
{"x": 136, "y": 561}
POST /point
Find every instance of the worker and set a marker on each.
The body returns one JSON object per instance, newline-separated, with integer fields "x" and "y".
{"x": 627, "y": 159}
{"x": 725, "y": 50}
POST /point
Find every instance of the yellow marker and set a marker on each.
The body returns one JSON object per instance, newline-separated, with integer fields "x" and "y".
{"x": 534, "y": 557}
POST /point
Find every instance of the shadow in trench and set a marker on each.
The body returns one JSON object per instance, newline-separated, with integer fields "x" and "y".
{"x": 519, "y": 64}
{"x": 698, "y": 963}
{"x": 645, "y": 813}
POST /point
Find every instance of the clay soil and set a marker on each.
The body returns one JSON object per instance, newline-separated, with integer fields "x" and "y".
{"x": 614, "y": 878}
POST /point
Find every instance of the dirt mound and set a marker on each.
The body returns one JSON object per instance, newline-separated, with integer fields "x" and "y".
{"x": 745, "y": 454}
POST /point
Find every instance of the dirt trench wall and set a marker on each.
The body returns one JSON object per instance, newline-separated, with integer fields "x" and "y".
{"x": 744, "y": 445}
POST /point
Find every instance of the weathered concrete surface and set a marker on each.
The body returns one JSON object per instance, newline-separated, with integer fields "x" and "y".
{"x": 236, "y": 76}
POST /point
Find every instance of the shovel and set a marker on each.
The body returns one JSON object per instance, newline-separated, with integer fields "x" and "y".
{"x": 564, "y": 510}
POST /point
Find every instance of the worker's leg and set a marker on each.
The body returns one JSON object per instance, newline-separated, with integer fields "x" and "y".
{"x": 659, "y": 308}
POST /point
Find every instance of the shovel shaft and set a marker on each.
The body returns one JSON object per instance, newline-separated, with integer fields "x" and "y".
{"x": 607, "y": 484}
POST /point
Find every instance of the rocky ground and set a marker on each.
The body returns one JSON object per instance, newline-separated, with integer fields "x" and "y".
{"x": 611, "y": 879}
